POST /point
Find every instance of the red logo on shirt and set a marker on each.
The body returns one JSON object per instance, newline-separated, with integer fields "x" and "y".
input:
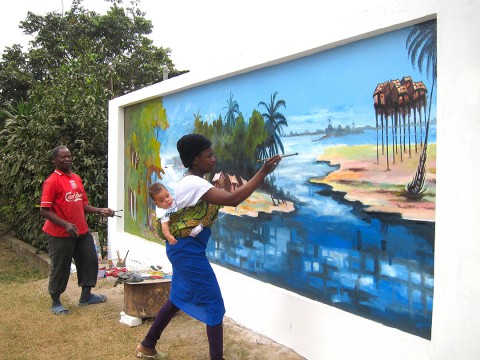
{"x": 73, "y": 196}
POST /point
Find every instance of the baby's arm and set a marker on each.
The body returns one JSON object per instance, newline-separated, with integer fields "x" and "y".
{"x": 166, "y": 231}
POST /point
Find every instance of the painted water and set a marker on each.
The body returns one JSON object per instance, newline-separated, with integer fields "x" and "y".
{"x": 378, "y": 266}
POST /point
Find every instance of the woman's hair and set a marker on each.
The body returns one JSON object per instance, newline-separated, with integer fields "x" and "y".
{"x": 189, "y": 146}
{"x": 155, "y": 188}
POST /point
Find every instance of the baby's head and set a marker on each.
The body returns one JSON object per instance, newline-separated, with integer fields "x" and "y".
{"x": 160, "y": 196}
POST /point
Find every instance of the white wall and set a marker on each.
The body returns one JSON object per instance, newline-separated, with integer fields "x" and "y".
{"x": 315, "y": 330}
{"x": 456, "y": 316}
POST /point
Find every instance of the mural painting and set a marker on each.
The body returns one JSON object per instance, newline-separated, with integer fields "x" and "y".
{"x": 348, "y": 218}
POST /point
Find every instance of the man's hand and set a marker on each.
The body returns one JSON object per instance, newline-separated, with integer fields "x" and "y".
{"x": 106, "y": 212}
{"x": 71, "y": 229}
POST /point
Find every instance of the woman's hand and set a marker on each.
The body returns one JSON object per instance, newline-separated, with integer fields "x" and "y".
{"x": 271, "y": 164}
{"x": 218, "y": 196}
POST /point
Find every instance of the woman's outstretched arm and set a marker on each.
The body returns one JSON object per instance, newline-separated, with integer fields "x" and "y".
{"x": 218, "y": 196}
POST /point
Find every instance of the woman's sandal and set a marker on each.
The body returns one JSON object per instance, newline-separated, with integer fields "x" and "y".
{"x": 157, "y": 356}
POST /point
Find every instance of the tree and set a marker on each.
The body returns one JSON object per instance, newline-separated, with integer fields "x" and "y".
{"x": 256, "y": 134}
{"x": 233, "y": 111}
{"x": 76, "y": 63}
{"x": 142, "y": 150}
{"x": 18, "y": 170}
{"x": 422, "y": 48}
{"x": 274, "y": 120}
{"x": 15, "y": 77}
{"x": 118, "y": 40}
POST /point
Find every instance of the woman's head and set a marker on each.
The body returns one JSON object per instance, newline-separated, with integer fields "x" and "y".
{"x": 190, "y": 146}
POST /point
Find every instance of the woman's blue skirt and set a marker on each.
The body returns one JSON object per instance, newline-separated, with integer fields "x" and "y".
{"x": 195, "y": 288}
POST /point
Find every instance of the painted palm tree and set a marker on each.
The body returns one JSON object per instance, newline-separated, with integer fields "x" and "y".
{"x": 233, "y": 111}
{"x": 422, "y": 48}
{"x": 274, "y": 120}
{"x": 197, "y": 117}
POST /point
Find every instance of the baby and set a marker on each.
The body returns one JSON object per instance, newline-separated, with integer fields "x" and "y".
{"x": 166, "y": 205}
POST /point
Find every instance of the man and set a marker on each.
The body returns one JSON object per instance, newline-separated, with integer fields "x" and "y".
{"x": 64, "y": 204}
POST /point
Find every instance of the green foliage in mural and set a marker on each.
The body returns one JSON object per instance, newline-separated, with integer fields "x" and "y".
{"x": 142, "y": 160}
{"x": 236, "y": 146}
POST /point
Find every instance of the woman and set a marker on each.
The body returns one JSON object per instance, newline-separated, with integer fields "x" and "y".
{"x": 195, "y": 289}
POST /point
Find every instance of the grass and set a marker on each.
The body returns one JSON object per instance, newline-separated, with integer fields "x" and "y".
{"x": 29, "y": 331}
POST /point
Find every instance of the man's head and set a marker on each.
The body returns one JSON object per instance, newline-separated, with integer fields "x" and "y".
{"x": 62, "y": 158}
{"x": 160, "y": 196}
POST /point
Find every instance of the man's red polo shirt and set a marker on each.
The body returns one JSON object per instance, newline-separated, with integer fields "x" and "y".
{"x": 65, "y": 196}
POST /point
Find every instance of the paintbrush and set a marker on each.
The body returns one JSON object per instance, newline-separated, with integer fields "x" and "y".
{"x": 283, "y": 156}
{"x": 120, "y": 262}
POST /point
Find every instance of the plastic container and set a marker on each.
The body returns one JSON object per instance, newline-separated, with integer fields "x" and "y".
{"x": 102, "y": 272}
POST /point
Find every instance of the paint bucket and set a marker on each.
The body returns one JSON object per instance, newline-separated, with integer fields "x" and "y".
{"x": 102, "y": 272}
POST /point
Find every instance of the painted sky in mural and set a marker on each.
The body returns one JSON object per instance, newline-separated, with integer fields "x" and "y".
{"x": 337, "y": 84}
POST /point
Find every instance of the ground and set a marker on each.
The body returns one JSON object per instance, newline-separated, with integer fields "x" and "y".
{"x": 94, "y": 332}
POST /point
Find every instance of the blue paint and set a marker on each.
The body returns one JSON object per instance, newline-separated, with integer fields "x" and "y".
{"x": 376, "y": 266}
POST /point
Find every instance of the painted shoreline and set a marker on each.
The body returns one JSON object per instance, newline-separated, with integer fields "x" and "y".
{"x": 380, "y": 189}
{"x": 359, "y": 177}
{"x": 256, "y": 203}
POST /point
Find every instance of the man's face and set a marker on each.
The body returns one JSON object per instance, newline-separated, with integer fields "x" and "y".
{"x": 163, "y": 199}
{"x": 63, "y": 161}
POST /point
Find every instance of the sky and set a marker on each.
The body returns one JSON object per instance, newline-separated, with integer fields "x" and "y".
{"x": 218, "y": 34}
{"x": 201, "y": 34}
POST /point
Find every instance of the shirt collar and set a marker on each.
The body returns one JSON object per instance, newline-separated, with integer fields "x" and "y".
{"x": 60, "y": 172}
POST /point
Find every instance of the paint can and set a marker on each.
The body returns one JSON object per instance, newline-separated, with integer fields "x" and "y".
{"x": 102, "y": 272}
